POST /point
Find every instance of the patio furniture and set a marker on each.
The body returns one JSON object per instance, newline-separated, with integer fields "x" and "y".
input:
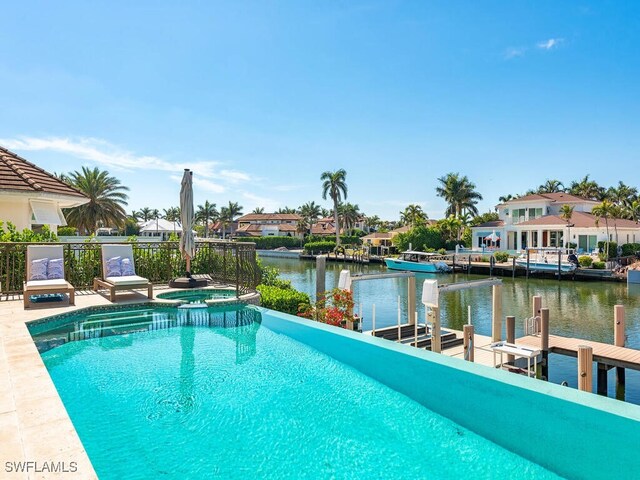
{"x": 519, "y": 351}
{"x": 45, "y": 273}
{"x": 118, "y": 272}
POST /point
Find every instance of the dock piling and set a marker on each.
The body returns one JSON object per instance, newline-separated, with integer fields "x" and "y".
{"x": 528, "y": 263}
{"x": 436, "y": 345}
{"x": 321, "y": 263}
{"x": 496, "y": 324}
{"x": 619, "y": 338}
{"x": 585, "y": 371}
{"x": 544, "y": 342}
{"x": 411, "y": 298}
{"x": 601, "y": 384}
{"x": 511, "y": 335}
{"x": 537, "y": 306}
{"x": 469, "y": 342}
{"x": 559, "y": 265}
{"x": 399, "y": 321}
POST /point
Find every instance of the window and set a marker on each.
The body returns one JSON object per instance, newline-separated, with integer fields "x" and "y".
{"x": 519, "y": 215}
{"x": 535, "y": 213}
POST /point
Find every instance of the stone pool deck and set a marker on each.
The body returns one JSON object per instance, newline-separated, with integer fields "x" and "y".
{"x": 34, "y": 424}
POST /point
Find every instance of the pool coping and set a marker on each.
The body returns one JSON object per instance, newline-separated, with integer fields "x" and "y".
{"x": 35, "y": 428}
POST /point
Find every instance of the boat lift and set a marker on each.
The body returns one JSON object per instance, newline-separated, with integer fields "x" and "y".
{"x": 430, "y": 299}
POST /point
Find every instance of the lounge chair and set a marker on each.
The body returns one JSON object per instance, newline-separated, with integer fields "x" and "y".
{"x": 45, "y": 273}
{"x": 118, "y": 271}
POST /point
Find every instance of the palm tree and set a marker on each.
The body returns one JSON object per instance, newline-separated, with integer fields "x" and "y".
{"x": 373, "y": 222}
{"x": 310, "y": 211}
{"x": 106, "y": 200}
{"x": 172, "y": 214}
{"x": 205, "y": 213}
{"x": 145, "y": 214}
{"x": 335, "y": 185}
{"x": 566, "y": 212}
{"x": 228, "y": 215}
{"x": 604, "y": 210}
{"x": 286, "y": 210}
{"x": 460, "y": 193}
{"x": 505, "y": 198}
{"x": 413, "y": 215}
{"x": 349, "y": 214}
{"x": 302, "y": 226}
{"x": 622, "y": 195}
{"x": 586, "y": 188}
{"x": 551, "y": 186}
{"x": 451, "y": 226}
{"x": 632, "y": 211}
{"x": 258, "y": 210}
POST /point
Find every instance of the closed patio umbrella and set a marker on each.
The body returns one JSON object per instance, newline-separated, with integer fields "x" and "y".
{"x": 493, "y": 238}
{"x": 187, "y": 242}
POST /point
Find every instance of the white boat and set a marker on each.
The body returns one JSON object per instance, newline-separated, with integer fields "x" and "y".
{"x": 412, "y": 261}
{"x": 547, "y": 260}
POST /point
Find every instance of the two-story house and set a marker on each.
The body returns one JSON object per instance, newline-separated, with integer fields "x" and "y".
{"x": 269, "y": 225}
{"x": 534, "y": 221}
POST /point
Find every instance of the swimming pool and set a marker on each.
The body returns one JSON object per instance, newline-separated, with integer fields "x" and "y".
{"x": 239, "y": 392}
{"x": 198, "y": 295}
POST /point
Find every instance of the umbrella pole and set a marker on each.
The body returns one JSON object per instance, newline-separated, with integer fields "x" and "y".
{"x": 188, "y": 266}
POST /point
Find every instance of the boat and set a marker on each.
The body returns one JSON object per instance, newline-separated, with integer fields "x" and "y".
{"x": 548, "y": 261}
{"x": 411, "y": 261}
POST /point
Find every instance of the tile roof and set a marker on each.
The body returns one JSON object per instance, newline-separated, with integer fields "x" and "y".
{"x": 253, "y": 217}
{"x": 373, "y": 235}
{"x": 580, "y": 220}
{"x": 558, "y": 197}
{"x": 492, "y": 224}
{"x": 18, "y": 174}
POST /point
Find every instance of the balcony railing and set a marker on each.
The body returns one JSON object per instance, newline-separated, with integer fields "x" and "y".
{"x": 232, "y": 263}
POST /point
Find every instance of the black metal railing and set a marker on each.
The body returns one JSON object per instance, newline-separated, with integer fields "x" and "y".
{"x": 232, "y": 263}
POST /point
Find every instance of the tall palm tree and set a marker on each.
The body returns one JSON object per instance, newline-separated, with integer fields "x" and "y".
{"x": 302, "y": 226}
{"x": 258, "y": 210}
{"x": 106, "y": 200}
{"x": 413, "y": 215}
{"x": 206, "y": 213}
{"x": 622, "y": 195}
{"x": 505, "y": 198}
{"x": 604, "y": 210}
{"x": 632, "y": 211}
{"x": 172, "y": 214}
{"x": 228, "y": 215}
{"x": 286, "y": 210}
{"x": 373, "y": 222}
{"x": 551, "y": 186}
{"x": 460, "y": 193}
{"x": 334, "y": 184}
{"x": 145, "y": 214}
{"x": 566, "y": 212}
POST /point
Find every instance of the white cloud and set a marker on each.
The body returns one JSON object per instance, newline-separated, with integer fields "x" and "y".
{"x": 514, "y": 52}
{"x": 105, "y": 153}
{"x": 204, "y": 184}
{"x": 268, "y": 204}
{"x": 549, "y": 44}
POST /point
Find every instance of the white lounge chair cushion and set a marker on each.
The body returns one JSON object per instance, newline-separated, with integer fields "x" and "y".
{"x": 39, "y": 269}
{"x": 127, "y": 280}
{"x": 127, "y": 267}
{"x": 47, "y": 284}
{"x": 114, "y": 267}
{"x": 55, "y": 269}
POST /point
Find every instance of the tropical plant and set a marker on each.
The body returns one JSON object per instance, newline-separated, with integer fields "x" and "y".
{"x": 206, "y": 213}
{"x": 258, "y": 210}
{"x": 349, "y": 215}
{"x": 413, "y": 215}
{"x": 632, "y": 211}
{"x": 605, "y": 210}
{"x": 144, "y": 214}
{"x": 460, "y": 193}
{"x": 566, "y": 212}
{"x": 311, "y": 212}
{"x": 171, "y": 214}
{"x": 373, "y": 222}
{"x": 450, "y": 227}
{"x": 506, "y": 198}
{"x": 622, "y": 195}
{"x": 302, "y": 226}
{"x": 286, "y": 210}
{"x": 228, "y": 215}
{"x": 586, "y": 188}
{"x": 335, "y": 185}
{"x": 551, "y": 186}
{"x": 106, "y": 200}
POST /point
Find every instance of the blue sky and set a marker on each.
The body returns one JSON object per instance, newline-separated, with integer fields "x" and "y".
{"x": 259, "y": 98}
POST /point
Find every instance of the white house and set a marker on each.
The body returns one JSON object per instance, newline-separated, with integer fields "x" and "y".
{"x": 160, "y": 228}
{"x": 269, "y": 225}
{"x": 534, "y": 221}
{"x": 31, "y": 197}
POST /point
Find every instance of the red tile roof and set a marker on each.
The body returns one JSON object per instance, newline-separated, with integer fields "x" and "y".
{"x": 558, "y": 197}
{"x": 18, "y": 174}
{"x": 492, "y": 224}
{"x": 580, "y": 220}
{"x": 256, "y": 217}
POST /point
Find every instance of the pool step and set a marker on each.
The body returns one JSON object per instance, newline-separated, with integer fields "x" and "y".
{"x": 115, "y": 320}
{"x": 119, "y": 313}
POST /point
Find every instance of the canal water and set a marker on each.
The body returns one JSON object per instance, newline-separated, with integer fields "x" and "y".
{"x": 576, "y": 309}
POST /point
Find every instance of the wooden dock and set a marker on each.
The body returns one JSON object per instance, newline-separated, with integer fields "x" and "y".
{"x": 603, "y": 353}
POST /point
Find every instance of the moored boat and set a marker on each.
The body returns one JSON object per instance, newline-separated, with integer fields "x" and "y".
{"x": 411, "y": 261}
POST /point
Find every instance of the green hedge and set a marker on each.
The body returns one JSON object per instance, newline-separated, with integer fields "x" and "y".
{"x": 585, "y": 261}
{"x": 630, "y": 249}
{"x": 319, "y": 247}
{"x": 420, "y": 238}
{"x": 269, "y": 243}
{"x": 599, "y": 265}
{"x": 344, "y": 239}
{"x": 285, "y": 300}
{"x": 501, "y": 257}
{"x": 613, "y": 248}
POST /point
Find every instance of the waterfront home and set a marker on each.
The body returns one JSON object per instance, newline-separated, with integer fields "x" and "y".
{"x": 534, "y": 221}
{"x": 31, "y": 197}
{"x": 159, "y": 228}
{"x": 269, "y": 225}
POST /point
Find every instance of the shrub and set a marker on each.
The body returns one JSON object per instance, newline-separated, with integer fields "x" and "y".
{"x": 269, "y": 243}
{"x": 599, "y": 265}
{"x": 26, "y": 235}
{"x": 442, "y": 251}
{"x": 344, "y": 239}
{"x": 572, "y": 245}
{"x": 287, "y": 300}
{"x": 485, "y": 259}
{"x": 630, "y": 249}
{"x": 420, "y": 238}
{"x": 319, "y": 247}
{"x": 613, "y": 248}
{"x": 585, "y": 261}
{"x": 67, "y": 231}
{"x": 501, "y": 257}
{"x": 451, "y": 244}
{"x": 271, "y": 277}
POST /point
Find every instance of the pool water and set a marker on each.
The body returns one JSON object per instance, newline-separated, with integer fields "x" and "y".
{"x": 213, "y": 393}
{"x": 197, "y": 295}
